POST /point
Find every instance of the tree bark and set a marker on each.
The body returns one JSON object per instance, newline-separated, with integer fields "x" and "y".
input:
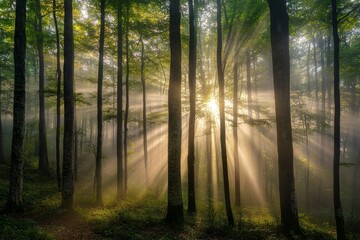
{"x": 142, "y": 70}
{"x": 43, "y": 155}
{"x": 2, "y": 156}
{"x": 68, "y": 153}
{"x": 127, "y": 95}
{"x": 175, "y": 213}
{"x": 279, "y": 21}
{"x": 14, "y": 201}
{"x": 58, "y": 97}
{"x": 98, "y": 167}
{"x": 119, "y": 113}
{"x": 192, "y": 89}
{"x": 220, "y": 72}
{"x": 235, "y": 134}
{"x": 248, "y": 83}
{"x": 339, "y": 217}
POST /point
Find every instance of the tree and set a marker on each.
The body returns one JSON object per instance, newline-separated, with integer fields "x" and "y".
{"x": 192, "y": 89}
{"x": 58, "y": 96}
{"x": 339, "y": 218}
{"x": 68, "y": 153}
{"x": 279, "y": 29}
{"x": 127, "y": 95}
{"x": 221, "y": 81}
{"x": 14, "y": 201}
{"x": 98, "y": 176}
{"x": 142, "y": 73}
{"x": 43, "y": 152}
{"x": 175, "y": 206}
{"x": 119, "y": 113}
{"x": 2, "y": 156}
{"x": 235, "y": 134}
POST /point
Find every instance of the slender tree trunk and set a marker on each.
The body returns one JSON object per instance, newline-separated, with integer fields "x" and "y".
{"x": 144, "y": 108}
{"x": 209, "y": 154}
{"x": 119, "y": 127}
{"x": 248, "y": 83}
{"x": 76, "y": 132}
{"x": 329, "y": 79}
{"x": 307, "y": 174}
{"x": 14, "y": 201}
{"x": 43, "y": 155}
{"x": 316, "y": 78}
{"x": 127, "y": 95}
{"x": 2, "y": 156}
{"x": 279, "y": 21}
{"x": 98, "y": 167}
{"x": 175, "y": 206}
{"x": 235, "y": 134}
{"x": 58, "y": 97}
{"x": 339, "y": 217}
{"x": 68, "y": 153}
{"x": 220, "y": 72}
{"x": 192, "y": 89}
{"x": 308, "y": 84}
{"x": 322, "y": 117}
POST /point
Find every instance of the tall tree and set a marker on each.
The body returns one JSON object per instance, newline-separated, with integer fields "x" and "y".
{"x": 175, "y": 212}
{"x": 68, "y": 149}
{"x": 98, "y": 176}
{"x": 43, "y": 152}
{"x": 220, "y": 72}
{"x": 58, "y": 96}
{"x": 2, "y": 156}
{"x": 235, "y": 134}
{"x": 127, "y": 94}
{"x": 142, "y": 73}
{"x": 279, "y": 21}
{"x": 339, "y": 217}
{"x": 14, "y": 201}
{"x": 192, "y": 89}
{"x": 119, "y": 113}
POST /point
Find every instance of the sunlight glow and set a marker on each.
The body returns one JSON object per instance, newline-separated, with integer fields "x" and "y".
{"x": 212, "y": 106}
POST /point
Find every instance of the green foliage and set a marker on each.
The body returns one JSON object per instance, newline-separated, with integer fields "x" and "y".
{"x": 20, "y": 229}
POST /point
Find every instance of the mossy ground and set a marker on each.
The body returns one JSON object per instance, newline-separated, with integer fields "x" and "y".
{"x": 133, "y": 217}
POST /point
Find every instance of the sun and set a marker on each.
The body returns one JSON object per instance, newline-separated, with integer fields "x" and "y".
{"x": 212, "y": 106}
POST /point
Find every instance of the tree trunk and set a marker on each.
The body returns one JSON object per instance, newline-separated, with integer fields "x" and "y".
{"x": 43, "y": 155}
{"x": 279, "y": 21}
{"x": 119, "y": 113}
{"x": 248, "y": 83}
{"x": 175, "y": 206}
{"x": 308, "y": 84}
{"x": 2, "y": 156}
{"x": 144, "y": 108}
{"x": 58, "y": 97}
{"x": 192, "y": 89}
{"x": 316, "y": 79}
{"x": 322, "y": 118}
{"x": 76, "y": 132}
{"x": 339, "y": 217}
{"x": 127, "y": 95}
{"x": 14, "y": 201}
{"x": 235, "y": 134}
{"x": 220, "y": 72}
{"x": 98, "y": 167}
{"x": 67, "y": 173}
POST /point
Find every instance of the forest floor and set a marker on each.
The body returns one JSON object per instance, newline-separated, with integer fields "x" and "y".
{"x": 133, "y": 217}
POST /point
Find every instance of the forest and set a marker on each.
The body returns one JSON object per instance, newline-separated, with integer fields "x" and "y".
{"x": 174, "y": 119}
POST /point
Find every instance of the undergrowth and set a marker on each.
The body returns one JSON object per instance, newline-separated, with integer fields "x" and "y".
{"x": 136, "y": 217}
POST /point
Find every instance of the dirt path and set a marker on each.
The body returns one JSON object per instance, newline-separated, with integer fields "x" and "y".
{"x": 69, "y": 227}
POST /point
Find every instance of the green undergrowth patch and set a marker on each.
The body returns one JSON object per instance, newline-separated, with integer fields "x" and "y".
{"x": 138, "y": 216}
{"x": 12, "y": 228}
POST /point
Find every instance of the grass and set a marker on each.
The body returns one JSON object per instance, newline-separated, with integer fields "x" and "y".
{"x": 134, "y": 217}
